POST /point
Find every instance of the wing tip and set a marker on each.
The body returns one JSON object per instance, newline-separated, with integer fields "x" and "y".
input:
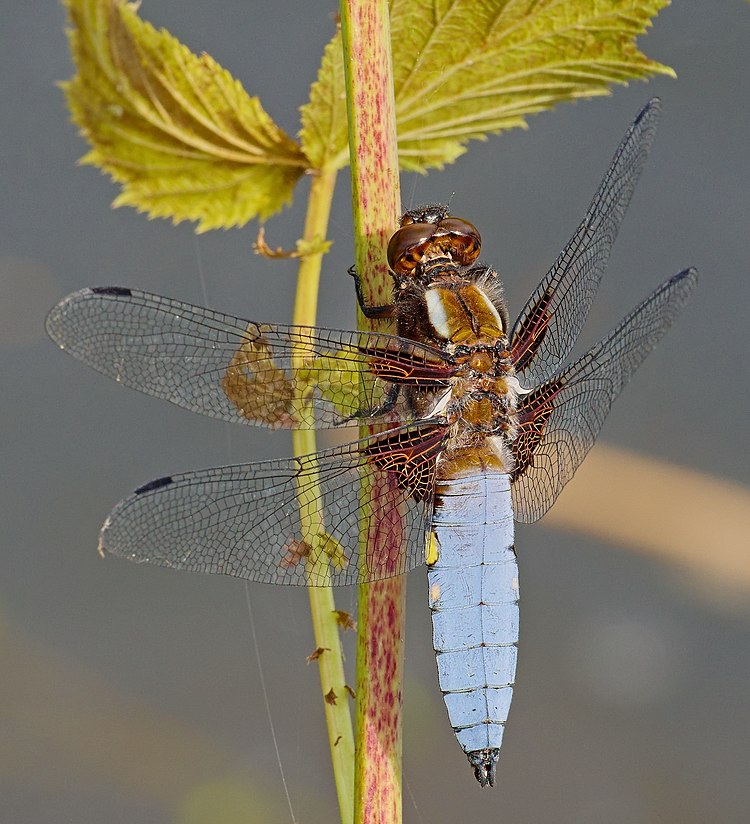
{"x": 111, "y": 291}
{"x": 681, "y": 285}
{"x": 158, "y": 483}
{"x": 690, "y": 273}
{"x": 652, "y": 107}
{"x": 52, "y": 323}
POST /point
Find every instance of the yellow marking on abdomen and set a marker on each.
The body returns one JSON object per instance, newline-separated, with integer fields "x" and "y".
{"x": 432, "y": 549}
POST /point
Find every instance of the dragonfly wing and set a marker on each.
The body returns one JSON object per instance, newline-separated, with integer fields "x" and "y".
{"x": 555, "y": 313}
{"x": 240, "y": 371}
{"x": 560, "y": 420}
{"x": 262, "y": 521}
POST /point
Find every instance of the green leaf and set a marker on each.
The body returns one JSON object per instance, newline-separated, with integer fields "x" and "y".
{"x": 335, "y": 380}
{"x": 187, "y": 142}
{"x": 464, "y": 69}
{"x": 176, "y": 129}
{"x": 324, "y": 136}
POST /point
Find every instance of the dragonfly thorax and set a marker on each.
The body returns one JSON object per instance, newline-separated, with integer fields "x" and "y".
{"x": 460, "y": 310}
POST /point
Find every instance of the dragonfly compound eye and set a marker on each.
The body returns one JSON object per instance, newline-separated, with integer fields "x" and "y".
{"x": 408, "y": 245}
{"x": 451, "y": 237}
{"x": 461, "y": 239}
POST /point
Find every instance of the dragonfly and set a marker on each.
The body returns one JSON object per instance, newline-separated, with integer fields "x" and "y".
{"x": 480, "y": 422}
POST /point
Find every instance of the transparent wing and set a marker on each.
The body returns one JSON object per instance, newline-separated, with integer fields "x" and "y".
{"x": 237, "y": 370}
{"x": 555, "y": 313}
{"x": 560, "y": 420}
{"x": 262, "y": 521}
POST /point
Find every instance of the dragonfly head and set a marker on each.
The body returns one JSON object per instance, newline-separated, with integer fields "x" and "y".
{"x": 428, "y": 233}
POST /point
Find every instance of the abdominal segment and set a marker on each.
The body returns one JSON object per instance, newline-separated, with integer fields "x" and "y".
{"x": 473, "y": 596}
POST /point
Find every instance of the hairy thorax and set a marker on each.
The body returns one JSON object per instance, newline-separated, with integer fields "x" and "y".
{"x": 461, "y": 315}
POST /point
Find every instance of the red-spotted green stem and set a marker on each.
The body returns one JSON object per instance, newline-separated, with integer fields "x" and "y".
{"x": 376, "y": 205}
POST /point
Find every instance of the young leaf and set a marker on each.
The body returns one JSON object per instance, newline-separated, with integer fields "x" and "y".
{"x": 334, "y": 382}
{"x": 176, "y": 129}
{"x": 463, "y": 69}
{"x": 324, "y": 135}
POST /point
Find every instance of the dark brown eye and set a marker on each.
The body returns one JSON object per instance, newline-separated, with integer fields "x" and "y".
{"x": 452, "y": 236}
{"x": 407, "y": 246}
{"x": 463, "y": 240}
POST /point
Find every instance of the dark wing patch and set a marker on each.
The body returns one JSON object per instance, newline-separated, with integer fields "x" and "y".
{"x": 534, "y": 412}
{"x": 409, "y": 455}
{"x": 560, "y": 420}
{"x": 530, "y": 330}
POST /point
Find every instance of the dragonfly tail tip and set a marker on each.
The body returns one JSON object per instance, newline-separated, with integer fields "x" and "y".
{"x": 484, "y": 763}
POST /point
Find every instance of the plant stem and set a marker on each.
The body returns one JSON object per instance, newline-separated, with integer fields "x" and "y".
{"x": 316, "y": 227}
{"x": 376, "y": 205}
{"x": 325, "y": 624}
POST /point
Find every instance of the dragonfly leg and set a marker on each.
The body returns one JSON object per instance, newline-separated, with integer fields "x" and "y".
{"x": 387, "y": 406}
{"x": 372, "y": 312}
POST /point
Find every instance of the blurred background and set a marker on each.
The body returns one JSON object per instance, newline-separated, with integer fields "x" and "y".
{"x": 132, "y": 694}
